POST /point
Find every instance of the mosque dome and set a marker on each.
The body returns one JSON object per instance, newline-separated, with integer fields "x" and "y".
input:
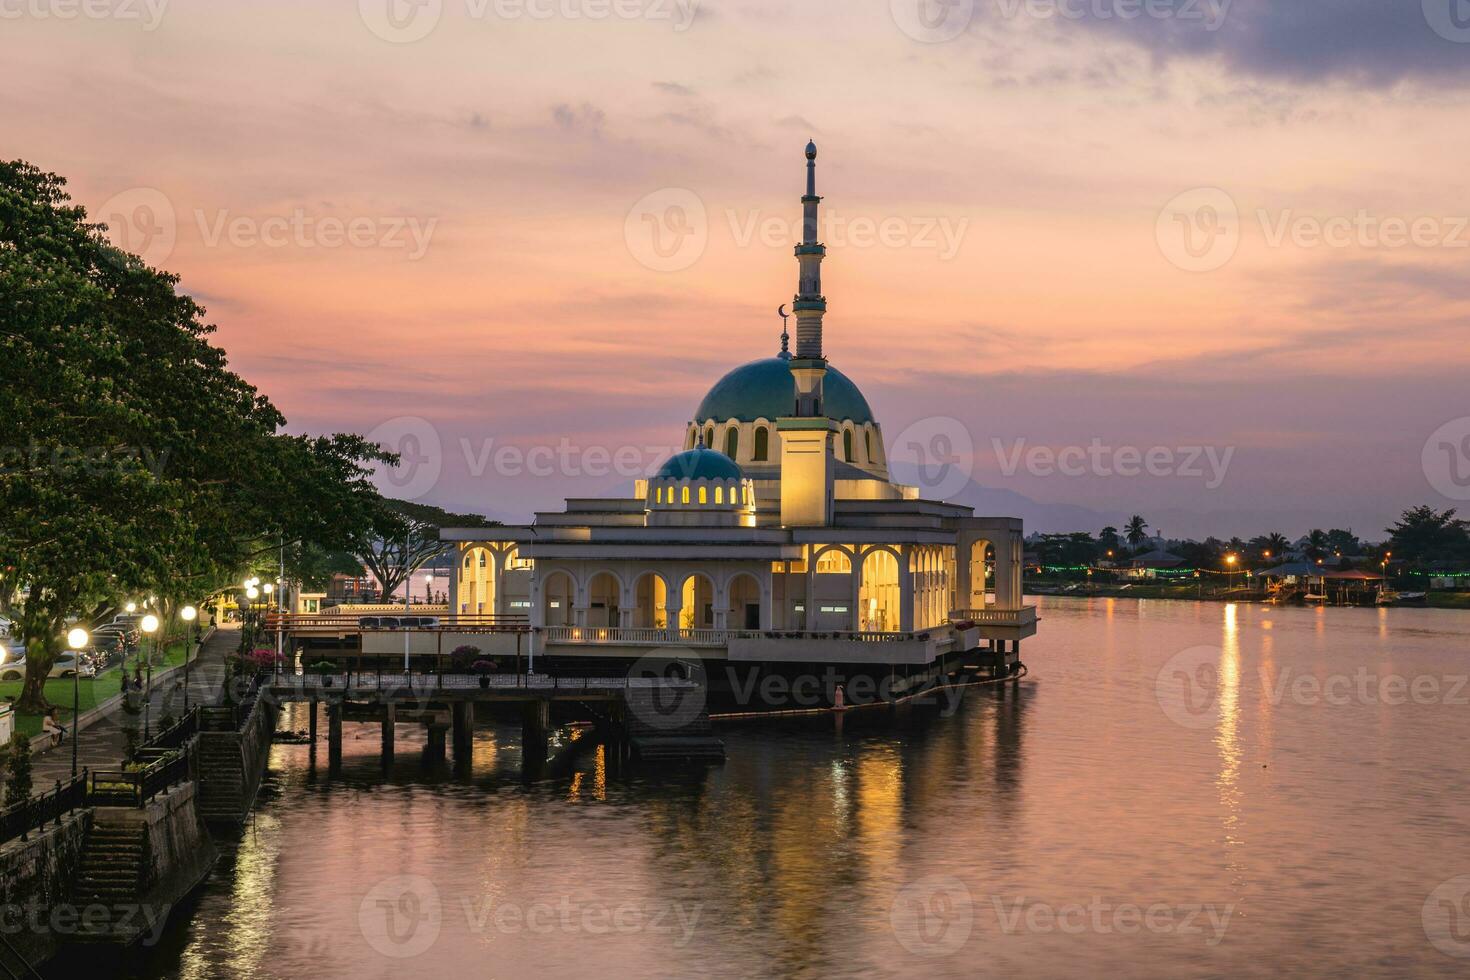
{"x": 700, "y": 463}
{"x": 765, "y": 389}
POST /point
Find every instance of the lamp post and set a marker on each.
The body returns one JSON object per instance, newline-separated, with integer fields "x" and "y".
{"x": 150, "y": 627}
{"x": 189, "y": 614}
{"x": 1230, "y": 561}
{"x": 76, "y": 639}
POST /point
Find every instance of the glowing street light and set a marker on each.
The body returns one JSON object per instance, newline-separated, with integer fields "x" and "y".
{"x": 150, "y": 627}
{"x": 188, "y": 614}
{"x": 77, "y": 639}
{"x": 131, "y": 607}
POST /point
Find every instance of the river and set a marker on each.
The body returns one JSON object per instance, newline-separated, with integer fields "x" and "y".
{"x": 1176, "y": 789}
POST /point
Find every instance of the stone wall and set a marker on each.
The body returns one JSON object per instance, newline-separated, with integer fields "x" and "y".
{"x": 36, "y": 876}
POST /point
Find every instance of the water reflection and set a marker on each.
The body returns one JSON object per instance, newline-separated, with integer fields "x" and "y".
{"x": 1075, "y": 787}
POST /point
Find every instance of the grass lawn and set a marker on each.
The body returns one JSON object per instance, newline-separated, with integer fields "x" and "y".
{"x": 90, "y": 691}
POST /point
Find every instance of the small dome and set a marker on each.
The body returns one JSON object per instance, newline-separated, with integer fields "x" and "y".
{"x": 764, "y": 389}
{"x": 700, "y": 463}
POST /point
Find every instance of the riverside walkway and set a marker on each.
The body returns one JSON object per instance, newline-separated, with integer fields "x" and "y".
{"x": 103, "y": 742}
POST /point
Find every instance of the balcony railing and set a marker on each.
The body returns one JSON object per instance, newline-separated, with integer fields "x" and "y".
{"x": 990, "y": 616}
{"x": 645, "y": 636}
{"x": 397, "y": 622}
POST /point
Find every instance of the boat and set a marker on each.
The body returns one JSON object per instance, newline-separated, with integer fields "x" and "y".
{"x": 1390, "y": 598}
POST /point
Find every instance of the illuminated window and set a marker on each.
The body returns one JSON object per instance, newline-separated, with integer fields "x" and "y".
{"x": 719, "y": 495}
{"x": 762, "y": 444}
{"x": 685, "y": 496}
{"x": 732, "y": 441}
{"x": 704, "y": 495}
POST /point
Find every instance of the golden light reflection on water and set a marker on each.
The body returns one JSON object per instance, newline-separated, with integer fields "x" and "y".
{"x": 1227, "y": 731}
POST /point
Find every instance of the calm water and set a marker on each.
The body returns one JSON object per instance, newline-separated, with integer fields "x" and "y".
{"x": 1177, "y": 789}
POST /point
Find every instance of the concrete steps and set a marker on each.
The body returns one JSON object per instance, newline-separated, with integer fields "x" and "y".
{"x": 110, "y": 874}
{"x": 658, "y": 734}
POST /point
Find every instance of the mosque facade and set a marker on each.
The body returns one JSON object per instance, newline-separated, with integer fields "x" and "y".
{"x": 777, "y": 538}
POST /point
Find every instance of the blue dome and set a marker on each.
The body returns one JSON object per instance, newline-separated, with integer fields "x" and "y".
{"x": 700, "y": 463}
{"x": 765, "y": 389}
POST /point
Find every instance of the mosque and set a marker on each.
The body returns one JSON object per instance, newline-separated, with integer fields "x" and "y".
{"x": 777, "y": 540}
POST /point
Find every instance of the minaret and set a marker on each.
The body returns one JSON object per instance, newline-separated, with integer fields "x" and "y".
{"x": 810, "y": 365}
{"x": 808, "y": 435}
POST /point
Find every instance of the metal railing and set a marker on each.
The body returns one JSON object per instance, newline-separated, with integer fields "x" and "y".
{"x": 644, "y": 636}
{"x": 135, "y": 787}
{"x": 392, "y": 622}
{"x": 38, "y": 811}
{"x": 427, "y": 683}
{"x": 177, "y": 735}
{"x": 995, "y": 617}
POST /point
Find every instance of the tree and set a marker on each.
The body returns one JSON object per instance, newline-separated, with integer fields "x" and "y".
{"x": 1423, "y": 535}
{"x": 18, "y": 766}
{"x": 1271, "y": 546}
{"x": 1108, "y": 540}
{"x": 1136, "y": 531}
{"x": 1344, "y": 542}
{"x": 404, "y": 537}
{"x": 1317, "y": 544}
{"x": 143, "y": 465}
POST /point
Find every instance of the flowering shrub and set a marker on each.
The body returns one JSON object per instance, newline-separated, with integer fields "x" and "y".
{"x": 461, "y": 657}
{"x": 483, "y": 666}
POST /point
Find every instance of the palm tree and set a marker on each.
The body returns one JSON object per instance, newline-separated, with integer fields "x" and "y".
{"x": 1136, "y": 530}
{"x": 1316, "y": 543}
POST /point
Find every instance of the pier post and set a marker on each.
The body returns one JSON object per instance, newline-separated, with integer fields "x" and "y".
{"x": 334, "y": 734}
{"x": 390, "y": 721}
{"x": 464, "y": 729}
{"x": 535, "y": 728}
{"x": 434, "y": 748}
{"x": 311, "y": 721}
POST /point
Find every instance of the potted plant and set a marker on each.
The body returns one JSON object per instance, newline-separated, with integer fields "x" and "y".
{"x": 462, "y": 657}
{"x": 324, "y": 669}
{"x": 484, "y": 668}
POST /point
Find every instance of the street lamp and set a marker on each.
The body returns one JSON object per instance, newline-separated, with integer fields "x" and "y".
{"x": 131, "y": 607}
{"x": 76, "y": 639}
{"x": 150, "y": 627}
{"x": 1230, "y": 561}
{"x": 188, "y": 614}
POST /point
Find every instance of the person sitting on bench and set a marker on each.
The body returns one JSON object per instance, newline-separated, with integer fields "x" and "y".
{"x": 50, "y": 726}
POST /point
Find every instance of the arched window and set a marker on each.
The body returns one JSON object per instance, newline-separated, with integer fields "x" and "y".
{"x": 732, "y": 441}
{"x": 704, "y": 495}
{"x": 719, "y": 495}
{"x": 868, "y": 444}
{"x": 709, "y": 437}
{"x": 660, "y": 492}
{"x": 689, "y": 443}
{"x": 482, "y": 559}
{"x": 466, "y": 561}
{"x": 684, "y": 497}
{"x": 847, "y": 446}
{"x": 762, "y": 439}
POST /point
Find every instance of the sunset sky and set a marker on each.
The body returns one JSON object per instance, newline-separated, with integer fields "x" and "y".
{"x": 1032, "y": 281}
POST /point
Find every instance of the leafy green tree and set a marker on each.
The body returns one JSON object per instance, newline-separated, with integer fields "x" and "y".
{"x": 1269, "y": 547}
{"x": 1108, "y": 540}
{"x": 1317, "y": 544}
{"x": 1136, "y": 531}
{"x": 1341, "y": 542}
{"x": 1423, "y": 535}
{"x": 140, "y": 465}
{"x": 18, "y": 770}
{"x": 404, "y": 537}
